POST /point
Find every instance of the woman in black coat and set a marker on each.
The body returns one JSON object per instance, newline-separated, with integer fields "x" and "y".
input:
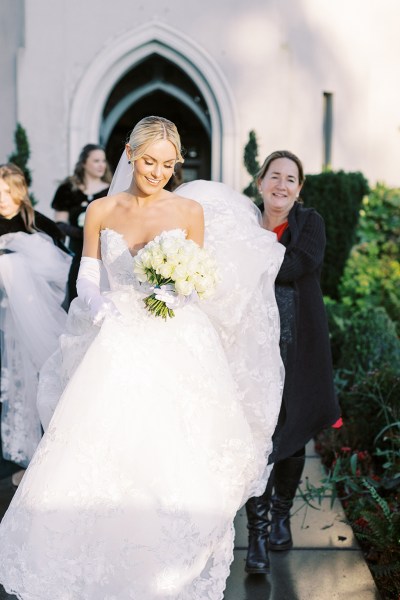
{"x": 309, "y": 402}
{"x": 90, "y": 181}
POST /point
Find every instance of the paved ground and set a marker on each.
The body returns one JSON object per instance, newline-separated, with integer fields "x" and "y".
{"x": 325, "y": 563}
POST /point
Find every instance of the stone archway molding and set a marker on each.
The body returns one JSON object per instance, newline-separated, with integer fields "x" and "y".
{"x": 121, "y": 54}
{"x": 116, "y": 113}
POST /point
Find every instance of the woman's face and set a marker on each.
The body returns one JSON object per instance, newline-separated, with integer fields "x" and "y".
{"x": 8, "y": 206}
{"x": 95, "y": 165}
{"x": 154, "y": 169}
{"x": 280, "y": 185}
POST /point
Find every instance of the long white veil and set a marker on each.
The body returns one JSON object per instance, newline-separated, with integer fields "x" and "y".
{"x": 244, "y": 310}
{"x": 122, "y": 176}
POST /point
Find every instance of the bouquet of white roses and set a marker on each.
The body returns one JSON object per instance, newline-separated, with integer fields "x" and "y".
{"x": 178, "y": 271}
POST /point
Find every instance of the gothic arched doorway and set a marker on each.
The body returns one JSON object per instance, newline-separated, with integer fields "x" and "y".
{"x": 197, "y": 84}
{"x": 156, "y": 86}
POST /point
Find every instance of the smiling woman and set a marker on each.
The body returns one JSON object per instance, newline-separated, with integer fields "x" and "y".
{"x": 309, "y": 401}
{"x": 156, "y": 169}
{"x": 89, "y": 181}
{"x": 157, "y": 430}
{"x": 279, "y": 182}
{"x": 145, "y": 208}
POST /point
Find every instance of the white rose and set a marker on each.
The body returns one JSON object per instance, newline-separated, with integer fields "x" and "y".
{"x": 165, "y": 270}
{"x": 170, "y": 245}
{"x": 192, "y": 266}
{"x": 180, "y": 272}
{"x": 140, "y": 272}
{"x": 145, "y": 257}
{"x": 203, "y": 283}
{"x": 157, "y": 259}
{"x": 173, "y": 234}
{"x": 168, "y": 242}
{"x": 183, "y": 287}
{"x": 173, "y": 260}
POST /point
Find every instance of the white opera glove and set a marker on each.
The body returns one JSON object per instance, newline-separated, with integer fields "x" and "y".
{"x": 88, "y": 288}
{"x": 167, "y": 294}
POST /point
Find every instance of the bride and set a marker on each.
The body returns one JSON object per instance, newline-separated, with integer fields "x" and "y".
{"x": 161, "y": 428}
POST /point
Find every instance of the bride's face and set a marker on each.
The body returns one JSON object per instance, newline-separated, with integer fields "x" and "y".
{"x": 9, "y": 207}
{"x": 154, "y": 169}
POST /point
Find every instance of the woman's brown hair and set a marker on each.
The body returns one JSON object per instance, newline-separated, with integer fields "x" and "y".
{"x": 77, "y": 180}
{"x": 16, "y": 181}
{"x": 281, "y": 154}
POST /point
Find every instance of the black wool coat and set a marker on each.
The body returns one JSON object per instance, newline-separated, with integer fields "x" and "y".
{"x": 309, "y": 401}
{"x": 42, "y": 223}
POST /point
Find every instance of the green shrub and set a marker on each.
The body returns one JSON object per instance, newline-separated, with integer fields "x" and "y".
{"x": 379, "y": 528}
{"x": 337, "y": 196}
{"x": 362, "y": 339}
{"x": 369, "y": 407}
{"x": 369, "y": 342}
{"x": 363, "y": 457}
{"x": 372, "y": 273}
{"x": 366, "y": 356}
{"x": 380, "y": 219}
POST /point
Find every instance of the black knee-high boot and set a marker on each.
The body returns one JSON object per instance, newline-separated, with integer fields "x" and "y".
{"x": 287, "y": 475}
{"x": 257, "y": 508}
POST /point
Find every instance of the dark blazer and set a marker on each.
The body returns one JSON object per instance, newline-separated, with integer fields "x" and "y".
{"x": 75, "y": 202}
{"x": 309, "y": 400}
{"x": 42, "y": 223}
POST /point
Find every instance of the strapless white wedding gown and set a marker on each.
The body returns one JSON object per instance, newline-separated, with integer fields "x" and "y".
{"x": 161, "y": 433}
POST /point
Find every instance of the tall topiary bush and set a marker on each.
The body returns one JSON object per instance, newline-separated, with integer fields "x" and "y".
{"x": 250, "y": 159}
{"x": 338, "y": 197}
{"x": 21, "y": 155}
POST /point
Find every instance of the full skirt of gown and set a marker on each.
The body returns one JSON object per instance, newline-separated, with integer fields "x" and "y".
{"x": 159, "y": 436}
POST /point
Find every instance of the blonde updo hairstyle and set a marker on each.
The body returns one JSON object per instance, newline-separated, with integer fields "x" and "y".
{"x": 16, "y": 181}
{"x": 151, "y": 129}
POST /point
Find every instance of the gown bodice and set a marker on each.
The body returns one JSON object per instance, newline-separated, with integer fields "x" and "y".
{"x": 117, "y": 261}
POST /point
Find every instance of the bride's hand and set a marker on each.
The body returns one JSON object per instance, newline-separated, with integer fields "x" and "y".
{"x": 100, "y": 308}
{"x": 173, "y": 300}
